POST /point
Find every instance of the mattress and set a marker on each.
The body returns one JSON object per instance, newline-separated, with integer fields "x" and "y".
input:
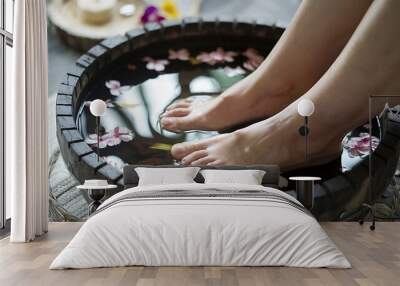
{"x": 201, "y": 225}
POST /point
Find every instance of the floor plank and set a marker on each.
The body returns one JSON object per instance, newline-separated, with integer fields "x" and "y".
{"x": 375, "y": 257}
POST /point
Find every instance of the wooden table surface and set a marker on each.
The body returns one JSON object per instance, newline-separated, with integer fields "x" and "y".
{"x": 375, "y": 257}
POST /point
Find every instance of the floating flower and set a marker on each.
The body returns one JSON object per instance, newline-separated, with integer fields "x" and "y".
{"x": 151, "y": 15}
{"x": 112, "y": 138}
{"x": 359, "y": 146}
{"x": 251, "y": 65}
{"x": 254, "y": 59}
{"x": 182, "y": 55}
{"x": 217, "y": 56}
{"x": 231, "y": 72}
{"x": 205, "y": 58}
{"x": 116, "y": 162}
{"x": 170, "y": 9}
{"x": 157, "y": 65}
{"x": 115, "y": 87}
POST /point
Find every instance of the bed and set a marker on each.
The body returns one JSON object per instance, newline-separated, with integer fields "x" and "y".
{"x": 201, "y": 224}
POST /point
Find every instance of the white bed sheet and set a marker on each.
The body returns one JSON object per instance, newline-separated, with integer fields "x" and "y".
{"x": 200, "y": 232}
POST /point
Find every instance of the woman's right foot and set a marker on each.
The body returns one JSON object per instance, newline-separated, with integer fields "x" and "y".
{"x": 241, "y": 103}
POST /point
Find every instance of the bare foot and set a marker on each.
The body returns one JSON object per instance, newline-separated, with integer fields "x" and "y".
{"x": 340, "y": 97}
{"x": 289, "y": 71}
{"x": 260, "y": 143}
{"x": 240, "y": 103}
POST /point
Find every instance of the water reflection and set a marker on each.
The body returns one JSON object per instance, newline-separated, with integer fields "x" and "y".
{"x": 136, "y": 109}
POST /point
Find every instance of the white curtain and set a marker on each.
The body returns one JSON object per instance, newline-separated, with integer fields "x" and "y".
{"x": 26, "y": 123}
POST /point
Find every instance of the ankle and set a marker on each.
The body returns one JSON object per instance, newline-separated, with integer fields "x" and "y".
{"x": 288, "y": 122}
{"x": 320, "y": 140}
{"x": 271, "y": 98}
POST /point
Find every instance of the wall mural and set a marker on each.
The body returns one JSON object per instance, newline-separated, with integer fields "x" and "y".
{"x": 137, "y": 89}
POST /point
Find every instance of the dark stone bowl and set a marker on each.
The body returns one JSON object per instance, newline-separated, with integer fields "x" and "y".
{"x": 153, "y": 39}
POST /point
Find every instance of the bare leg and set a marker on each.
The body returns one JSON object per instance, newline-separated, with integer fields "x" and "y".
{"x": 317, "y": 34}
{"x": 368, "y": 65}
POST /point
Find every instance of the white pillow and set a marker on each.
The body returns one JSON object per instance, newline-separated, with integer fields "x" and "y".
{"x": 248, "y": 177}
{"x": 164, "y": 176}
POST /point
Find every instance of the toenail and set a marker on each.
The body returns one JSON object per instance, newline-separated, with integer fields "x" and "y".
{"x": 166, "y": 121}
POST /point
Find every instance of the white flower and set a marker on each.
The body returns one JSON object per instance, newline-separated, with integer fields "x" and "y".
{"x": 157, "y": 65}
{"x": 116, "y": 162}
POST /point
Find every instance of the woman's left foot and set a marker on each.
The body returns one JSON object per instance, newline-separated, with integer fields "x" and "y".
{"x": 243, "y": 102}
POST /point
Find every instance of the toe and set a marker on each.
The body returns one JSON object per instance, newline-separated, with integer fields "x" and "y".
{"x": 202, "y": 161}
{"x": 215, "y": 163}
{"x": 181, "y": 103}
{"x": 176, "y": 112}
{"x": 181, "y": 150}
{"x": 187, "y": 160}
{"x": 176, "y": 124}
{"x": 168, "y": 123}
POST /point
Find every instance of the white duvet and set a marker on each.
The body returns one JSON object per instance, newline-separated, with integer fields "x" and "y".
{"x": 200, "y": 231}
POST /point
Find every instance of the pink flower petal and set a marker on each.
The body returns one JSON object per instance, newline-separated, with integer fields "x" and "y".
{"x": 112, "y": 84}
{"x": 217, "y": 56}
{"x": 157, "y": 65}
{"x": 360, "y": 146}
{"x": 181, "y": 54}
{"x": 249, "y": 66}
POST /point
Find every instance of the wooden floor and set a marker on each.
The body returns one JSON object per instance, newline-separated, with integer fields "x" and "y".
{"x": 375, "y": 257}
